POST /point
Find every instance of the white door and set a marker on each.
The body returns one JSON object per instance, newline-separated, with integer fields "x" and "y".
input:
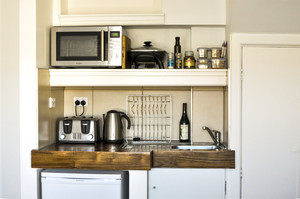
{"x": 270, "y": 122}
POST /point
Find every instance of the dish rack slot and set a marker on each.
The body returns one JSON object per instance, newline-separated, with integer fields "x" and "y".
{"x": 151, "y": 118}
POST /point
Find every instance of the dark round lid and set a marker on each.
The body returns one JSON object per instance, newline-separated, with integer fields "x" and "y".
{"x": 147, "y": 48}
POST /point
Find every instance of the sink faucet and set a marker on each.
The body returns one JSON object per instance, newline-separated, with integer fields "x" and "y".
{"x": 216, "y": 138}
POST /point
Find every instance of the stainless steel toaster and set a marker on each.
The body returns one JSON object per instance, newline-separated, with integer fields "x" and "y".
{"x": 78, "y": 130}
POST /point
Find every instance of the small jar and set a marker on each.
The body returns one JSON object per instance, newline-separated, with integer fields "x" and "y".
{"x": 203, "y": 63}
{"x": 218, "y": 63}
{"x": 216, "y": 52}
{"x": 189, "y": 60}
{"x": 178, "y": 61}
{"x": 203, "y": 52}
{"x": 170, "y": 63}
{"x": 202, "y": 66}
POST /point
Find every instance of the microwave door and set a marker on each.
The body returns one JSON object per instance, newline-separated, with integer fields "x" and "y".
{"x": 81, "y": 48}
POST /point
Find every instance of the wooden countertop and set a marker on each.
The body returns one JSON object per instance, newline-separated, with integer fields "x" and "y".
{"x": 138, "y": 157}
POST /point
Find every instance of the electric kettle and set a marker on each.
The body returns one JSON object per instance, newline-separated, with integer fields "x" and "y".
{"x": 113, "y": 128}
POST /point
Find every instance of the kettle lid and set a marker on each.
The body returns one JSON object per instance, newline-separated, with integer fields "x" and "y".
{"x": 113, "y": 111}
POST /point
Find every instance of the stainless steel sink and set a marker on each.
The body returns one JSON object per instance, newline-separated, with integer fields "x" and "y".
{"x": 203, "y": 147}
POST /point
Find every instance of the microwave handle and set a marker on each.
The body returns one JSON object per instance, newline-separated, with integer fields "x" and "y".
{"x": 102, "y": 45}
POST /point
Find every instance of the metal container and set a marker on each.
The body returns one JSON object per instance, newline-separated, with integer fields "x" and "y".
{"x": 218, "y": 63}
{"x": 203, "y": 52}
{"x": 216, "y": 52}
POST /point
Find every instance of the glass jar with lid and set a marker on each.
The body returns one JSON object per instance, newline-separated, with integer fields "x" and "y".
{"x": 170, "y": 62}
{"x": 189, "y": 60}
{"x": 178, "y": 61}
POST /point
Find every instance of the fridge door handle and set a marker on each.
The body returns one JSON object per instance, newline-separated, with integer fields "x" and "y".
{"x": 81, "y": 180}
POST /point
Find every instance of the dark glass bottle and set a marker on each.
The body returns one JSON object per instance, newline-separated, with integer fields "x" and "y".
{"x": 177, "y": 49}
{"x": 184, "y": 126}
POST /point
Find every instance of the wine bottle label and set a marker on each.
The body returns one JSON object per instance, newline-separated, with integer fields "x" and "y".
{"x": 184, "y": 132}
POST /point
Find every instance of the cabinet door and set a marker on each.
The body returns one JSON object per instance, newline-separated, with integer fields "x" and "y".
{"x": 186, "y": 183}
{"x": 138, "y": 182}
{"x": 270, "y": 122}
{"x": 194, "y": 12}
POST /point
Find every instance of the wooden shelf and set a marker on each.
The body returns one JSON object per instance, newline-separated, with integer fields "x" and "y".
{"x": 138, "y": 77}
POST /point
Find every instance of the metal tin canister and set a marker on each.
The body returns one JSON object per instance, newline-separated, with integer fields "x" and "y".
{"x": 216, "y": 52}
{"x": 203, "y": 52}
{"x": 218, "y": 63}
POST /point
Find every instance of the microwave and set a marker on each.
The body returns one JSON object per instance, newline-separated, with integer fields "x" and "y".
{"x": 84, "y": 47}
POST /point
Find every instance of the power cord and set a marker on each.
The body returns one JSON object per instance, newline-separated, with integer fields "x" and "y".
{"x": 83, "y": 103}
{"x": 77, "y": 102}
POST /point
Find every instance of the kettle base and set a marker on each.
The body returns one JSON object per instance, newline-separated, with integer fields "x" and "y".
{"x": 113, "y": 141}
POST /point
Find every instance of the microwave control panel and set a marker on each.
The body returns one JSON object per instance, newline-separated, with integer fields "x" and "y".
{"x": 115, "y": 46}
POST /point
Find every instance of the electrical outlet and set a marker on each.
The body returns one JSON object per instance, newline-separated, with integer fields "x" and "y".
{"x": 80, "y": 99}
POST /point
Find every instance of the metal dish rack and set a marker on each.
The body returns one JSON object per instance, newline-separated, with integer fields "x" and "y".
{"x": 151, "y": 118}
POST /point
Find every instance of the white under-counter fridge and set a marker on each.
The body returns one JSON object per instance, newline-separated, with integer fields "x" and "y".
{"x": 84, "y": 184}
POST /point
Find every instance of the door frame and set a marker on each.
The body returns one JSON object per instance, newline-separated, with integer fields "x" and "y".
{"x": 236, "y": 44}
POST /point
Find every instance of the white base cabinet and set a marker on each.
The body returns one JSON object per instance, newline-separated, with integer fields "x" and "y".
{"x": 138, "y": 181}
{"x": 186, "y": 183}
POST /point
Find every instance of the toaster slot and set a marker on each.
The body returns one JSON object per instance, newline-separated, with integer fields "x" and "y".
{"x": 85, "y": 126}
{"x": 67, "y": 126}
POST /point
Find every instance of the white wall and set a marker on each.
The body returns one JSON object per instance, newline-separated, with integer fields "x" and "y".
{"x": 27, "y": 96}
{"x": 18, "y": 89}
{"x": 264, "y": 16}
{"x": 43, "y": 24}
{"x": 10, "y": 127}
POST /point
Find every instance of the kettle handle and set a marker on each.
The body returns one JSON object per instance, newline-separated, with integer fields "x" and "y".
{"x": 127, "y": 118}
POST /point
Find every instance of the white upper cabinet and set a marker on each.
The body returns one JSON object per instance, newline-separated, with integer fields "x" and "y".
{"x": 139, "y": 12}
{"x": 104, "y": 12}
{"x": 194, "y": 12}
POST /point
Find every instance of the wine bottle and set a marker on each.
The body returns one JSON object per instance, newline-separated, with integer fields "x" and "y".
{"x": 184, "y": 126}
{"x": 177, "y": 49}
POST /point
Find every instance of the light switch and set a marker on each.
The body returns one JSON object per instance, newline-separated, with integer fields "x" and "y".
{"x": 52, "y": 102}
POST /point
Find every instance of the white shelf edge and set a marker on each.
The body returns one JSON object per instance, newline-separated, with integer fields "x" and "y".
{"x": 138, "y": 77}
{"x": 112, "y": 19}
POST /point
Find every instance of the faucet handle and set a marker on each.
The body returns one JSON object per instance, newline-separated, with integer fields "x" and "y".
{"x": 218, "y": 140}
{"x": 218, "y": 137}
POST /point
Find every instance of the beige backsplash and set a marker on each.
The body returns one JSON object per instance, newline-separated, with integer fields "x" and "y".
{"x": 208, "y": 104}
